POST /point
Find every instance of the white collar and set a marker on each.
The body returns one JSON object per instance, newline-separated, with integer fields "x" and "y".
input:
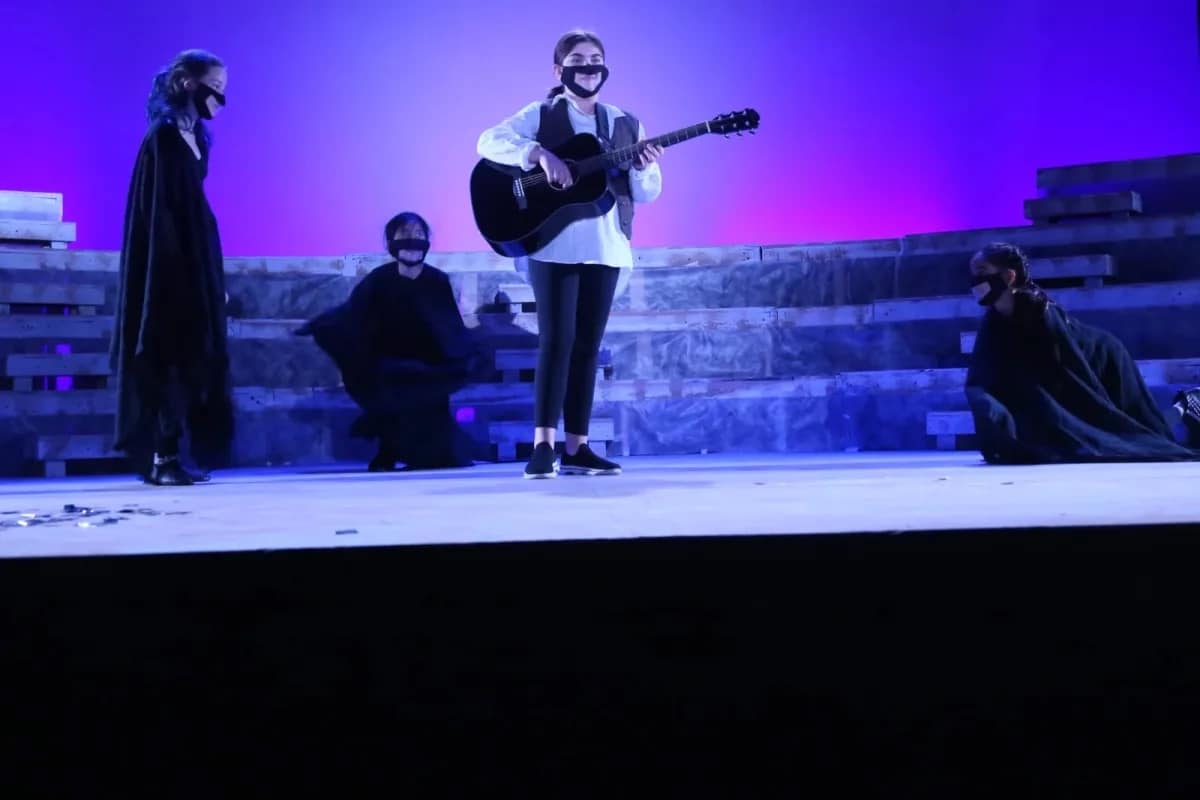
{"x": 574, "y": 105}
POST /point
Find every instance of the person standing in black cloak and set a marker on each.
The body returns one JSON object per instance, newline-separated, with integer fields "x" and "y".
{"x": 169, "y": 342}
{"x": 402, "y": 349}
{"x": 1045, "y": 388}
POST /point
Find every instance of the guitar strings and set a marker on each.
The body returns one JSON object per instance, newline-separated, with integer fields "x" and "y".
{"x": 683, "y": 135}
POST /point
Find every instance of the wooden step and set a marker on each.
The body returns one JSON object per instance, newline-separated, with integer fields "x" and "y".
{"x": 75, "y": 402}
{"x": 1053, "y": 209}
{"x": 906, "y": 310}
{"x": 947, "y": 426}
{"x": 1156, "y": 372}
{"x": 103, "y": 402}
{"x": 507, "y": 435}
{"x": 66, "y": 447}
{"x": 55, "y": 451}
{"x": 263, "y": 328}
{"x": 514, "y": 360}
{"x": 359, "y": 264}
{"x": 56, "y": 235}
{"x": 40, "y": 206}
{"x": 953, "y": 423}
{"x": 517, "y": 293}
{"x": 1127, "y": 296}
{"x": 1164, "y": 168}
{"x": 1164, "y": 372}
{"x": 526, "y": 359}
{"x": 1170, "y": 371}
{"x": 61, "y": 262}
{"x": 55, "y": 326}
{"x": 30, "y": 365}
{"x": 51, "y": 294}
{"x": 621, "y": 322}
{"x": 877, "y": 382}
{"x": 1092, "y": 268}
{"x": 84, "y": 402}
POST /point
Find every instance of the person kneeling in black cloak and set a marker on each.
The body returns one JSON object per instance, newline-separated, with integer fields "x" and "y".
{"x": 1045, "y": 388}
{"x": 402, "y": 349}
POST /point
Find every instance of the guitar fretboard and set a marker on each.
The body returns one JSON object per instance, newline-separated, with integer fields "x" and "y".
{"x": 623, "y": 155}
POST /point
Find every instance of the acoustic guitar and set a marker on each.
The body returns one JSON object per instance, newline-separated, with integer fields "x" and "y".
{"x": 519, "y": 212}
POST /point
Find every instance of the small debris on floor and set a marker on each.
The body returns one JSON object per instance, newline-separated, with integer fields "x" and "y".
{"x": 79, "y": 516}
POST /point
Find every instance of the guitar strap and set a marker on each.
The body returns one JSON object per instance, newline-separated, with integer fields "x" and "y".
{"x": 602, "y": 133}
{"x": 617, "y": 173}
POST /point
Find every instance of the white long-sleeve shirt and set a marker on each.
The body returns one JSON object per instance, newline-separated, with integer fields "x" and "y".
{"x": 594, "y": 240}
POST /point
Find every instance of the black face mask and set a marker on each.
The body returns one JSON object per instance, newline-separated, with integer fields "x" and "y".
{"x": 396, "y": 245}
{"x": 569, "y": 73}
{"x": 996, "y": 287}
{"x": 200, "y": 100}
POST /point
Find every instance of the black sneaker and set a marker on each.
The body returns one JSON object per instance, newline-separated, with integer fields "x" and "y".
{"x": 542, "y": 463}
{"x": 585, "y": 462}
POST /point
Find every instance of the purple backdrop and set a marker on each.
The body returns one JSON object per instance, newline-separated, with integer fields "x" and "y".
{"x": 879, "y": 118}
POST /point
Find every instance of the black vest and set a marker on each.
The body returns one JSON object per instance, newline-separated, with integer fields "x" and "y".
{"x": 554, "y": 128}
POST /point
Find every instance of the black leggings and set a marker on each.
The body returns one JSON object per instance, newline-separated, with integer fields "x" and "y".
{"x": 573, "y": 301}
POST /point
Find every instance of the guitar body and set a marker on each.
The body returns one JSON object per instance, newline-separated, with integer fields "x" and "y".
{"x": 518, "y": 222}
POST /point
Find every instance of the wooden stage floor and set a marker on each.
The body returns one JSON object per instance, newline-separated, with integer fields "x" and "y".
{"x": 703, "y": 495}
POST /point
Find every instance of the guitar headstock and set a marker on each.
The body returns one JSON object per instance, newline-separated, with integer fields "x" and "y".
{"x": 739, "y": 122}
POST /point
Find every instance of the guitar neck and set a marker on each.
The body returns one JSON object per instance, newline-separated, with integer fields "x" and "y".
{"x": 623, "y": 155}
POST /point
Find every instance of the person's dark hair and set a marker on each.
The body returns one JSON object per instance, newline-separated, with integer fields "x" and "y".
{"x": 1002, "y": 255}
{"x": 566, "y": 43}
{"x": 402, "y": 219}
{"x": 167, "y": 95}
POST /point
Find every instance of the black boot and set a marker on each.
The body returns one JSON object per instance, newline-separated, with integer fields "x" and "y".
{"x": 384, "y": 460}
{"x": 169, "y": 472}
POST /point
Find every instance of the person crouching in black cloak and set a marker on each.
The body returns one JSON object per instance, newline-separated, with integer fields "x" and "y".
{"x": 402, "y": 349}
{"x": 1045, "y": 388}
{"x": 169, "y": 349}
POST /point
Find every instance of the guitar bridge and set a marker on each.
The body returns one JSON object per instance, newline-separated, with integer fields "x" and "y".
{"x": 518, "y": 190}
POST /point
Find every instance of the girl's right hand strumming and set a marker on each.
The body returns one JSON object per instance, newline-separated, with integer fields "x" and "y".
{"x": 558, "y": 173}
